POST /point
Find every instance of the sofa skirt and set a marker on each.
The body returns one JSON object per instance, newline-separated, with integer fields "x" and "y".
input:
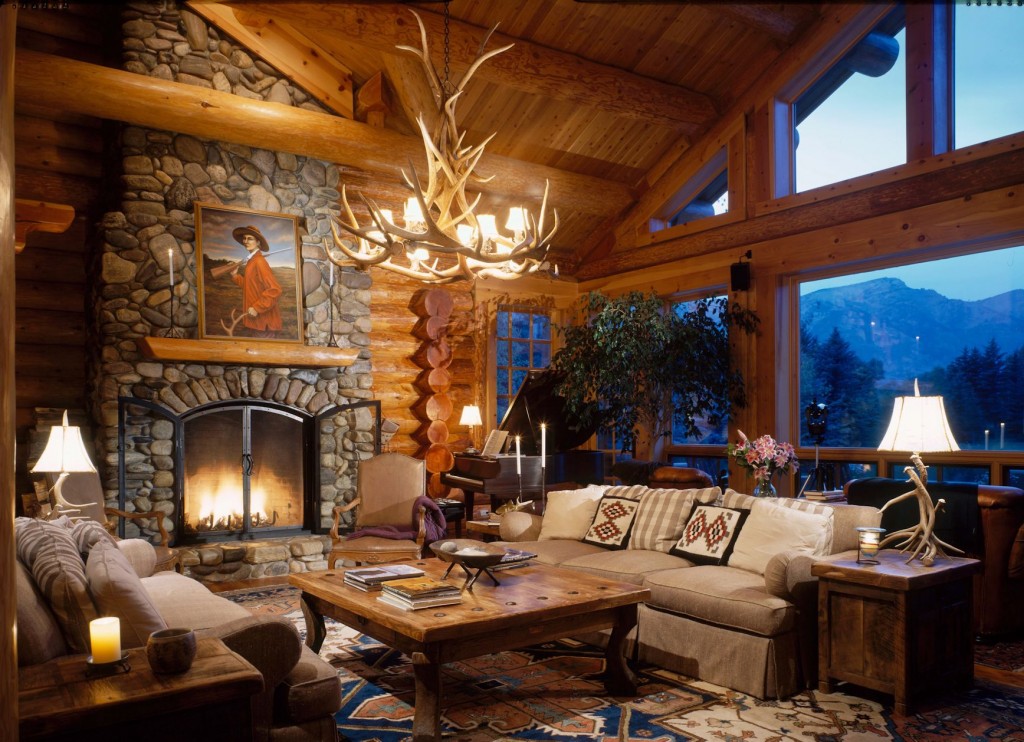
{"x": 761, "y": 666}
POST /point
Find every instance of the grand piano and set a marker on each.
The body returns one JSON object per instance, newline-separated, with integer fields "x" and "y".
{"x": 536, "y": 402}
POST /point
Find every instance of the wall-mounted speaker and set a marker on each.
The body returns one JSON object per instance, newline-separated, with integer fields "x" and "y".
{"x": 739, "y": 277}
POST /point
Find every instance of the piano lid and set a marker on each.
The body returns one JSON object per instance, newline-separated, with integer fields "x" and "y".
{"x": 537, "y": 402}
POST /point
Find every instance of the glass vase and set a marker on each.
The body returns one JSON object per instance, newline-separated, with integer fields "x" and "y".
{"x": 764, "y": 488}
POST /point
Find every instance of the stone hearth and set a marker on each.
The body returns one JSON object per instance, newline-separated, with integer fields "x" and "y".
{"x": 246, "y": 560}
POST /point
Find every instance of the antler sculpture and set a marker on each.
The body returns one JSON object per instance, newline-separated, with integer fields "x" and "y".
{"x": 445, "y": 205}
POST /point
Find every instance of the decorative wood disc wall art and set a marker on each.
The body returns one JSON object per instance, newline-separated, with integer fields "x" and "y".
{"x": 434, "y": 307}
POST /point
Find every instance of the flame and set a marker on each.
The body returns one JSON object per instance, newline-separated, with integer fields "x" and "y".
{"x": 220, "y": 505}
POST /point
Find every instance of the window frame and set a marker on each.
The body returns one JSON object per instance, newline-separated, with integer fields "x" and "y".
{"x": 512, "y": 307}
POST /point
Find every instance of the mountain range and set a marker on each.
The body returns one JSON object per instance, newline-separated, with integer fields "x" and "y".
{"x": 911, "y": 331}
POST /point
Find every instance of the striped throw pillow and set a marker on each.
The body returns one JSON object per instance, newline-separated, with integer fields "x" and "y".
{"x": 51, "y": 555}
{"x": 662, "y": 515}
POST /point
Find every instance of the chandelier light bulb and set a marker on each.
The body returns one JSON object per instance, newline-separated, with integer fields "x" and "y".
{"x": 516, "y": 220}
{"x": 466, "y": 234}
{"x": 387, "y": 215}
{"x": 488, "y": 225}
{"x": 413, "y": 212}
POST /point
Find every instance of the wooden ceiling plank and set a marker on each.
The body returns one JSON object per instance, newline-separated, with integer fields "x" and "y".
{"x": 101, "y": 91}
{"x": 526, "y": 67}
{"x": 766, "y": 18}
{"x": 287, "y": 49}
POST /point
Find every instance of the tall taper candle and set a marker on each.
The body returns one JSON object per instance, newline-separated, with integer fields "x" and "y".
{"x": 543, "y": 444}
{"x": 105, "y": 639}
{"x": 331, "y": 281}
{"x": 170, "y": 265}
{"x": 986, "y": 440}
{"x": 1002, "y": 435}
{"x": 519, "y": 469}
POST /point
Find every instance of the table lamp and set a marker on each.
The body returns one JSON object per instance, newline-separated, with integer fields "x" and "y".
{"x": 64, "y": 453}
{"x": 919, "y": 425}
{"x": 471, "y": 418}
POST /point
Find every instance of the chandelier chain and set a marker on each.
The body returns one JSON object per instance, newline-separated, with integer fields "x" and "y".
{"x": 446, "y": 85}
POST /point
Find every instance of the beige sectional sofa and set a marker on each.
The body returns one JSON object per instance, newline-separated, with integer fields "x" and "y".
{"x": 69, "y": 573}
{"x": 744, "y": 616}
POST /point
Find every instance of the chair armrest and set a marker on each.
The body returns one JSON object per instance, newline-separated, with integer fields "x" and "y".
{"x": 519, "y": 526}
{"x": 336, "y": 516}
{"x": 788, "y": 574}
{"x": 165, "y": 538}
{"x": 270, "y": 644}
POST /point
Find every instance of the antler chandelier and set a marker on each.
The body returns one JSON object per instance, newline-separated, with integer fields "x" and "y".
{"x": 443, "y": 239}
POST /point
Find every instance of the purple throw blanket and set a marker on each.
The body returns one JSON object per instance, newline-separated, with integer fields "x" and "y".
{"x": 434, "y": 526}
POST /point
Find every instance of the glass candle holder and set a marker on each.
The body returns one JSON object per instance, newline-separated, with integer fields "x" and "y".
{"x": 868, "y": 539}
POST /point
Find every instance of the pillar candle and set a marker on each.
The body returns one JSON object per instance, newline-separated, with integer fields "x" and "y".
{"x": 519, "y": 469}
{"x": 105, "y": 639}
{"x": 170, "y": 265}
{"x": 543, "y": 444}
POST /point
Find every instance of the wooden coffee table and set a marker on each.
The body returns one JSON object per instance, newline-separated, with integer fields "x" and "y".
{"x": 533, "y": 604}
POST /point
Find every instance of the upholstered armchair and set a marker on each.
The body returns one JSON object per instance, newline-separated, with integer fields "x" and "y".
{"x": 388, "y": 488}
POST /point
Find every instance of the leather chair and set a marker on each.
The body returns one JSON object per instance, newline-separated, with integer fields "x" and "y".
{"x": 387, "y": 488}
{"x": 993, "y": 534}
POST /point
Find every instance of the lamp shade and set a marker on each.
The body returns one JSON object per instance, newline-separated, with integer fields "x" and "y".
{"x": 65, "y": 451}
{"x": 470, "y": 415}
{"x": 918, "y": 425}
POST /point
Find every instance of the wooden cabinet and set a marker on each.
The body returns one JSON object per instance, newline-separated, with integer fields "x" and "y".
{"x": 903, "y": 629}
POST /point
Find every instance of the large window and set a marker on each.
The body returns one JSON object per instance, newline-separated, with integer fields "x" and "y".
{"x": 956, "y": 325}
{"x": 852, "y": 120}
{"x": 989, "y": 92}
{"x": 523, "y": 344}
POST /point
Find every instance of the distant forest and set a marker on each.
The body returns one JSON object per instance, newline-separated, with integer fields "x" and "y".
{"x": 982, "y": 387}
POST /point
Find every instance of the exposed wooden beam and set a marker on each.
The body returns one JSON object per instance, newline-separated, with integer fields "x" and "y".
{"x": 289, "y": 50}
{"x": 246, "y": 351}
{"x": 210, "y": 114}
{"x": 958, "y": 180}
{"x": 837, "y": 21}
{"x": 773, "y": 20}
{"x": 31, "y": 216}
{"x": 527, "y": 67}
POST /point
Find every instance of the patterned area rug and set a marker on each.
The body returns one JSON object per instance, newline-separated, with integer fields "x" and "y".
{"x": 554, "y": 692}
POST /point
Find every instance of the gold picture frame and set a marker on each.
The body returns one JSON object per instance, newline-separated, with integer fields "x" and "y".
{"x": 248, "y": 292}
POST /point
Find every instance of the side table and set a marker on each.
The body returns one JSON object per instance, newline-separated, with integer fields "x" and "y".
{"x": 487, "y": 529}
{"x": 57, "y": 700}
{"x": 902, "y": 629}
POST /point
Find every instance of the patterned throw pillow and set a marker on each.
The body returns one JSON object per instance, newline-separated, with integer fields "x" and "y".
{"x": 87, "y": 533}
{"x": 710, "y": 534}
{"x": 662, "y": 515}
{"x": 52, "y": 556}
{"x": 612, "y": 522}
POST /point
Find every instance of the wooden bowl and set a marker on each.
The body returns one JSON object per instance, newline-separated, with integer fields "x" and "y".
{"x": 479, "y": 554}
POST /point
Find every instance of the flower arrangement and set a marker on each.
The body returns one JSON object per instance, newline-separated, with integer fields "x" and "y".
{"x": 763, "y": 457}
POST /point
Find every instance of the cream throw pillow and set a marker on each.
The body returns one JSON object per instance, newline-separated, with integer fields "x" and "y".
{"x": 118, "y": 591}
{"x": 569, "y": 513}
{"x": 770, "y": 529}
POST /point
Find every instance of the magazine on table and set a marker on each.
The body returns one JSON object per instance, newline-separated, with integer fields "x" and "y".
{"x": 405, "y": 604}
{"x": 514, "y": 558}
{"x": 373, "y": 577}
{"x": 419, "y": 587}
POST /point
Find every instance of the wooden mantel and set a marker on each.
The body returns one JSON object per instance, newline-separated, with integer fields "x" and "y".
{"x": 246, "y": 351}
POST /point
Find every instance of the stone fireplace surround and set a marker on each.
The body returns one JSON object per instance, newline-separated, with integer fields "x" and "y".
{"x": 157, "y": 178}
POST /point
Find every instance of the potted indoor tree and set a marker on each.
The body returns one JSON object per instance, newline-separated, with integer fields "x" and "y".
{"x": 633, "y": 365}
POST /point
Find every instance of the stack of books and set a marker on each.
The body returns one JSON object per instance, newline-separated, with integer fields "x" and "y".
{"x": 827, "y": 496}
{"x": 370, "y": 579}
{"x": 514, "y": 558}
{"x": 414, "y": 593}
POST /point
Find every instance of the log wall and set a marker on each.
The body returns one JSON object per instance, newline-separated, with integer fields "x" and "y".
{"x": 59, "y": 159}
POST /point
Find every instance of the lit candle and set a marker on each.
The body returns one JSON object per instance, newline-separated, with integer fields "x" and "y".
{"x": 543, "y": 443}
{"x": 170, "y": 265}
{"x": 986, "y": 440}
{"x": 1002, "y": 435}
{"x": 519, "y": 469}
{"x": 105, "y": 639}
{"x": 331, "y": 281}
{"x": 868, "y": 542}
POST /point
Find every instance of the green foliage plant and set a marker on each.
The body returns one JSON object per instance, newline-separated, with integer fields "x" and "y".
{"x": 631, "y": 362}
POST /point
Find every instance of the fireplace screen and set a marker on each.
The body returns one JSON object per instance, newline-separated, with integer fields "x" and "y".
{"x": 243, "y": 472}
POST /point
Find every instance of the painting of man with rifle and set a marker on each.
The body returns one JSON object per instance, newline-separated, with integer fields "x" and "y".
{"x": 248, "y": 274}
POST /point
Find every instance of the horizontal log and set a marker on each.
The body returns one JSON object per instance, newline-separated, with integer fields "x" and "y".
{"x": 58, "y": 159}
{"x": 45, "y": 361}
{"x": 41, "y": 130}
{"x": 246, "y": 351}
{"x": 45, "y": 326}
{"x": 79, "y": 192}
{"x": 38, "y": 391}
{"x": 101, "y": 91}
{"x": 34, "y": 294}
{"x": 956, "y": 181}
{"x": 45, "y": 265}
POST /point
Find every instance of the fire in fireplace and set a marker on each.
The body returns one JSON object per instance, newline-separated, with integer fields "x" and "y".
{"x": 244, "y": 471}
